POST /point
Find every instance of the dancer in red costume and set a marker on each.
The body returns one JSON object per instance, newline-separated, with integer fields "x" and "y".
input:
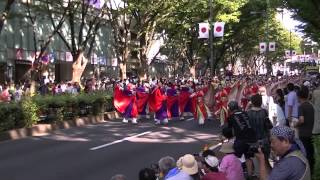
{"x": 125, "y": 102}
{"x": 224, "y": 105}
{"x": 198, "y": 107}
{"x": 218, "y": 102}
{"x": 142, "y": 92}
{"x": 245, "y": 96}
{"x": 185, "y": 104}
{"x": 172, "y": 101}
{"x": 158, "y": 104}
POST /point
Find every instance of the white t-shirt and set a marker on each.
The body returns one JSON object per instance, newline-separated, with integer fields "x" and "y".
{"x": 281, "y": 119}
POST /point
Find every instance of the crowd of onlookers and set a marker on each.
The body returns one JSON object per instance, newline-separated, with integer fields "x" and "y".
{"x": 14, "y": 92}
{"x": 271, "y": 139}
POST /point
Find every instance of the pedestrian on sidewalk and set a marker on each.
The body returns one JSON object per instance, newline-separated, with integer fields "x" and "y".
{"x": 305, "y": 124}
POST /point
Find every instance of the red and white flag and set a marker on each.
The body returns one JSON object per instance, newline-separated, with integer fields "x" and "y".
{"x": 287, "y": 53}
{"x": 263, "y": 47}
{"x": 218, "y": 29}
{"x": 293, "y": 53}
{"x": 203, "y": 30}
{"x": 272, "y": 46}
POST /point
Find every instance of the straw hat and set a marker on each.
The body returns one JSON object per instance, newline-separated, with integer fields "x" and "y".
{"x": 189, "y": 164}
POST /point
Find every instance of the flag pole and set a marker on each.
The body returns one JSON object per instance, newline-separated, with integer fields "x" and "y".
{"x": 211, "y": 38}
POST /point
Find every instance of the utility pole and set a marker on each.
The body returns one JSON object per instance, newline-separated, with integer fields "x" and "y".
{"x": 211, "y": 38}
{"x": 290, "y": 46}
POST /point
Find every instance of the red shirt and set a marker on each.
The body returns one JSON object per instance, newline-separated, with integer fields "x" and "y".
{"x": 254, "y": 89}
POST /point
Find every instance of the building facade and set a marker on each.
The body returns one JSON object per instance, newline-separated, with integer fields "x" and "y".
{"x": 17, "y": 50}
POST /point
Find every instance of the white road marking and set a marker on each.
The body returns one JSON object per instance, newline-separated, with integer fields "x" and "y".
{"x": 217, "y": 145}
{"x": 190, "y": 119}
{"x": 119, "y": 141}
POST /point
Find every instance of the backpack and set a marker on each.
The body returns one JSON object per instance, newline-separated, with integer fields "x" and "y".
{"x": 260, "y": 122}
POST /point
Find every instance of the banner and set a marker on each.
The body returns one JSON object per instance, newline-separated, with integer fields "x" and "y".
{"x": 114, "y": 62}
{"x": 272, "y": 46}
{"x": 203, "y": 30}
{"x": 218, "y": 29}
{"x": 69, "y": 57}
{"x": 263, "y": 47}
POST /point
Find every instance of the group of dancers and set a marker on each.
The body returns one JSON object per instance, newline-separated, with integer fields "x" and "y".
{"x": 167, "y": 100}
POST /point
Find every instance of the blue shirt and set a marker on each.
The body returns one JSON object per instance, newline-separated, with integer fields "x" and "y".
{"x": 172, "y": 172}
{"x": 288, "y": 168}
{"x": 292, "y": 100}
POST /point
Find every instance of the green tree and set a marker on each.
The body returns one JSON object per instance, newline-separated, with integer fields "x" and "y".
{"x": 148, "y": 17}
{"x": 242, "y": 40}
{"x": 120, "y": 19}
{"x": 307, "y": 11}
{"x": 33, "y": 13}
{"x": 83, "y": 22}
{"x": 182, "y": 29}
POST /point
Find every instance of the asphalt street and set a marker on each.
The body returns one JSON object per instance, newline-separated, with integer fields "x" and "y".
{"x": 96, "y": 152}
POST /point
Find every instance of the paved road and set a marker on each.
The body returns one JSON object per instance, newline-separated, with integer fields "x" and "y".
{"x": 97, "y": 152}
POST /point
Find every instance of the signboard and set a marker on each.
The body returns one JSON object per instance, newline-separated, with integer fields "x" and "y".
{"x": 69, "y": 57}
{"x": 114, "y": 62}
{"x": 312, "y": 69}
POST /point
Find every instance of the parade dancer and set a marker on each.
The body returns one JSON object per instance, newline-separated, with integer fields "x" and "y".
{"x": 199, "y": 108}
{"x": 185, "y": 103}
{"x": 158, "y": 104}
{"x": 245, "y": 97}
{"x": 125, "y": 102}
{"x": 172, "y": 101}
{"x": 224, "y": 104}
{"x": 142, "y": 93}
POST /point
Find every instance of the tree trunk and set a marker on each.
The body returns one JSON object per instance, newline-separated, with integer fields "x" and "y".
{"x": 123, "y": 70}
{"x": 78, "y": 67}
{"x": 143, "y": 71}
{"x": 269, "y": 68}
{"x": 193, "y": 71}
{"x": 143, "y": 68}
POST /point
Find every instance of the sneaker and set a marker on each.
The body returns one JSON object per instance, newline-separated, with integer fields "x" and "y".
{"x": 125, "y": 120}
{"x": 165, "y": 121}
{"x": 134, "y": 121}
{"x": 157, "y": 122}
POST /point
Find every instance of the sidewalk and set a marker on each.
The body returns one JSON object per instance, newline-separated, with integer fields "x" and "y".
{"x": 44, "y": 129}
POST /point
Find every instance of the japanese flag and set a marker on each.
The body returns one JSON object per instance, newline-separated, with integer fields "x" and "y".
{"x": 203, "y": 30}
{"x": 218, "y": 29}
{"x": 272, "y": 46}
{"x": 263, "y": 47}
{"x": 287, "y": 53}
